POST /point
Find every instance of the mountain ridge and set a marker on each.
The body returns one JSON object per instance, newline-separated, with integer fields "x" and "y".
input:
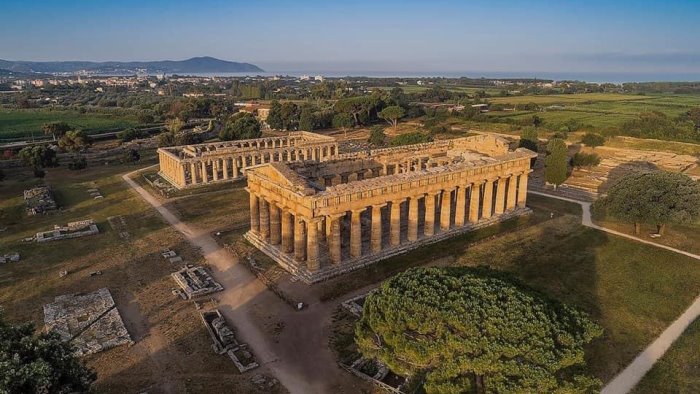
{"x": 202, "y": 64}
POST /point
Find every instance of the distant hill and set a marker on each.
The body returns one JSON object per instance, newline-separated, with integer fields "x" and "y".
{"x": 194, "y": 65}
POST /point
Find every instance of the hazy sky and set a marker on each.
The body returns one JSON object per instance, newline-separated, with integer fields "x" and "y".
{"x": 354, "y": 35}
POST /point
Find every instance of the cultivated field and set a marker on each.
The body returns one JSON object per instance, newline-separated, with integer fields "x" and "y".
{"x": 25, "y": 123}
{"x": 598, "y": 110}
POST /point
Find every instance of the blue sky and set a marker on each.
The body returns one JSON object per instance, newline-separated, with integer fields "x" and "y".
{"x": 435, "y": 35}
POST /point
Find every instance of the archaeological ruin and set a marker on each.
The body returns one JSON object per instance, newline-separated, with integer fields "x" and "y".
{"x": 91, "y": 322}
{"x": 319, "y": 219}
{"x": 200, "y": 164}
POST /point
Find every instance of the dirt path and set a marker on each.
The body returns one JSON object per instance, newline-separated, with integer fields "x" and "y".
{"x": 625, "y": 381}
{"x": 299, "y": 356}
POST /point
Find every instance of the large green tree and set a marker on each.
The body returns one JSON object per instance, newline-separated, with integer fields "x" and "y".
{"x": 40, "y": 363}
{"x": 592, "y": 140}
{"x": 556, "y": 163}
{"x": 343, "y": 121}
{"x": 469, "y": 330}
{"x": 658, "y": 197}
{"x": 306, "y": 118}
{"x": 38, "y": 156}
{"x": 241, "y": 126}
{"x": 74, "y": 141}
{"x": 274, "y": 118}
{"x": 392, "y": 115}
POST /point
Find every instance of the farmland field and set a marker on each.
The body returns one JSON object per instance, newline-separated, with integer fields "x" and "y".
{"x": 598, "y": 110}
{"x": 24, "y": 123}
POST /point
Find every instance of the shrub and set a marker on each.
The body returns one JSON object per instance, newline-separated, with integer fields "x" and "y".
{"x": 585, "y": 160}
{"x": 78, "y": 163}
{"x": 376, "y": 136}
{"x": 129, "y": 135}
{"x": 415, "y": 137}
{"x": 593, "y": 139}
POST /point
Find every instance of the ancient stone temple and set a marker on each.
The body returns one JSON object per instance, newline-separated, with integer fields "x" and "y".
{"x": 192, "y": 165}
{"x": 320, "y": 219}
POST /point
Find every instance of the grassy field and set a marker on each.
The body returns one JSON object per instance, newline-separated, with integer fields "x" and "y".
{"x": 599, "y": 110}
{"x": 678, "y": 371}
{"x": 22, "y": 123}
{"x": 172, "y": 351}
{"x": 634, "y": 291}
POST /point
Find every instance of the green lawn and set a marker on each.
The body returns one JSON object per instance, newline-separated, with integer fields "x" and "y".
{"x": 678, "y": 371}
{"x": 24, "y": 123}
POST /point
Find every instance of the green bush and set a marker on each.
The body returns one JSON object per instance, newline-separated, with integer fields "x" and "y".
{"x": 415, "y": 137}
{"x": 585, "y": 160}
{"x": 592, "y": 140}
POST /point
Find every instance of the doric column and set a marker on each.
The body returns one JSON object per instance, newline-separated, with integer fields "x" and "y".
{"x": 396, "y": 222}
{"x": 446, "y": 209}
{"x": 356, "y": 233}
{"x": 287, "y": 231}
{"x": 299, "y": 239}
{"x": 429, "y": 229}
{"x": 413, "y": 218}
{"x": 487, "y": 206}
{"x": 203, "y": 171}
{"x": 312, "y": 261}
{"x": 335, "y": 239}
{"x": 264, "y": 219}
{"x": 234, "y": 160}
{"x": 522, "y": 189}
{"x": 226, "y": 167}
{"x": 215, "y": 169}
{"x": 461, "y": 206}
{"x": 501, "y": 195}
{"x": 377, "y": 227}
{"x": 512, "y": 191}
{"x": 474, "y": 197}
{"x": 254, "y": 213}
{"x": 275, "y": 228}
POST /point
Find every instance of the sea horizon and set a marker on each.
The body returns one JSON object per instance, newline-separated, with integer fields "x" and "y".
{"x": 591, "y": 77}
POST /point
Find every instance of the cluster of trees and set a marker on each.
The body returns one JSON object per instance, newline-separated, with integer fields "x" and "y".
{"x": 446, "y": 326}
{"x": 241, "y": 126}
{"x": 657, "y": 125}
{"x": 658, "y": 198}
{"x": 307, "y": 116}
{"x": 592, "y": 140}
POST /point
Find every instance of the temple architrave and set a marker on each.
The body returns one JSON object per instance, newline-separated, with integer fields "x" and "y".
{"x": 319, "y": 219}
{"x": 194, "y": 165}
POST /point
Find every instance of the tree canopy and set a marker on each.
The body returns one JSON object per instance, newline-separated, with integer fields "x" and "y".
{"x": 529, "y": 139}
{"x": 241, "y": 126}
{"x": 556, "y": 162}
{"x": 471, "y": 330}
{"x": 40, "y": 363}
{"x": 56, "y": 129}
{"x": 658, "y": 197}
{"x": 74, "y": 141}
{"x": 592, "y": 140}
{"x": 38, "y": 156}
{"x": 392, "y": 114}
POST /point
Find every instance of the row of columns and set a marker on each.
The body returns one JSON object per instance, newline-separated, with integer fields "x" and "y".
{"x": 457, "y": 206}
{"x": 206, "y": 170}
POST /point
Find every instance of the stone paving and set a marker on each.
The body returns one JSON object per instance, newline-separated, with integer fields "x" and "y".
{"x": 90, "y": 321}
